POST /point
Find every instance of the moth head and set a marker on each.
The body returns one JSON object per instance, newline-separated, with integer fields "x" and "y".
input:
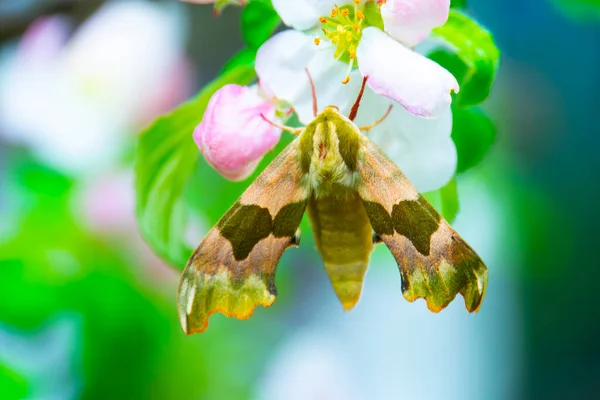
{"x": 331, "y": 110}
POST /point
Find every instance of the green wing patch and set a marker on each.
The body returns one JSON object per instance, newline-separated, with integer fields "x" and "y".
{"x": 246, "y": 225}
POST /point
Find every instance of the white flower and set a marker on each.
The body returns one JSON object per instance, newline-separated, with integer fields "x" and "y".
{"x": 73, "y": 99}
{"x": 393, "y": 70}
{"x": 416, "y": 134}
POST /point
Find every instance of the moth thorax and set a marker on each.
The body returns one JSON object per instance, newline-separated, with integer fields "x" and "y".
{"x": 329, "y": 172}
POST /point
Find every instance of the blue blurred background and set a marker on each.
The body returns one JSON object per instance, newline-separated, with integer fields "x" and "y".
{"x": 87, "y": 310}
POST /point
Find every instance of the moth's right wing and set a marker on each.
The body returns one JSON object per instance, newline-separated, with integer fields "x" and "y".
{"x": 435, "y": 262}
{"x": 233, "y": 269}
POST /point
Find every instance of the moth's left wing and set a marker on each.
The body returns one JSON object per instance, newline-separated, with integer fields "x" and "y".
{"x": 233, "y": 269}
{"x": 435, "y": 262}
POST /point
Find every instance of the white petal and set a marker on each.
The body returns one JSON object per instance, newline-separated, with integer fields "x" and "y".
{"x": 411, "y": 21}
{"x": 419, "y": 84}
{"x": 304, "y": 14}
{"x": 422, "y": 148}
{"x": 281, "y": 65}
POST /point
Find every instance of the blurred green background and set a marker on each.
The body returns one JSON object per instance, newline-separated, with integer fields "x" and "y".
{"x": 87, "y": 310}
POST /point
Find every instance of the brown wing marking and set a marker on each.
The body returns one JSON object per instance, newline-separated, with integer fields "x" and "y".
{"x": 233, "y": 269}
{"x": 435, "y": 262}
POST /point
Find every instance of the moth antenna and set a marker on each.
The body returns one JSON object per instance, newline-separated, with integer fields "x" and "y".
{"x": 313, "y": 91}
{"x": 354, "y": 109}
{"x": 292, "y": 130}
{"x": 380, "y": 120}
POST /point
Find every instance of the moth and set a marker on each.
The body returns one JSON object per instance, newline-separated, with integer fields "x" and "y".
{"x": 355, "y": 197}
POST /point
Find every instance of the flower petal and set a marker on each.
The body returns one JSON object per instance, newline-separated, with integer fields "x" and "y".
{"x": 73, "y": 105}
{"x": 422, "y": 148}
{"x": 419, "y": 84}
{"x": 123, "y": 49}
{"x": 281, "y": 65}
{"x": 233, "y": 136}
{"x": 411, "y": 21}
{"x": 304, "y": 14}
{"x": 44, "y": 40}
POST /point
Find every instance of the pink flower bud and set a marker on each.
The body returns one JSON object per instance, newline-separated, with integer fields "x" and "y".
{"x": 233, "y": 136}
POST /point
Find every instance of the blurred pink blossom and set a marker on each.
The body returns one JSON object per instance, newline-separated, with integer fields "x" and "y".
{"x": 72, "y": 99}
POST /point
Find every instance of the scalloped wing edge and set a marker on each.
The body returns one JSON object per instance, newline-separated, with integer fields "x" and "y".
{"x": 202, "y": 295}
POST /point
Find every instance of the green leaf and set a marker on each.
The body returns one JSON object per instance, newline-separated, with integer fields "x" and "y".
{"x": 473, "y": 134}
{"x": 449, "y": 198}
{"x": 458, "y": 3}
{"x": 259, "y": 21}
{"x": 584, "y": 10}
{"x": 166, "y": 157}
{"x": 12, "y": 384}
{"x": 445, "y": 200}
{"x": 468, "y": 51}
{"x": 243, "y": 57}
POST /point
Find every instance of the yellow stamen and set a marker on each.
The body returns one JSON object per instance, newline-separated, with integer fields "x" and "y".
{"x": 334, "y": 12}
{"x": 352, "y": 51}
{"x": 343, "y": 29}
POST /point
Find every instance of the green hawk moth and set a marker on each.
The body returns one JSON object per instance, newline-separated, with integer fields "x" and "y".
{"x": 355, "y": 197}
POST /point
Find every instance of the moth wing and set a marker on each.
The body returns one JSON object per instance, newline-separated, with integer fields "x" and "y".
{"x": 435, "y": 262}
{"x": 233, "y": 268}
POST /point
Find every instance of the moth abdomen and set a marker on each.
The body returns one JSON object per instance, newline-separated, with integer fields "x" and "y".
{"x": 343, "y": 237}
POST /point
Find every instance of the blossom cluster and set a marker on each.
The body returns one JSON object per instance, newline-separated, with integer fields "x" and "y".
{"x": 336, "y": 43}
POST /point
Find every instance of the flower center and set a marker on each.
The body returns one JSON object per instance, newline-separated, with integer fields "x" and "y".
{"x": 343, "y": 29}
